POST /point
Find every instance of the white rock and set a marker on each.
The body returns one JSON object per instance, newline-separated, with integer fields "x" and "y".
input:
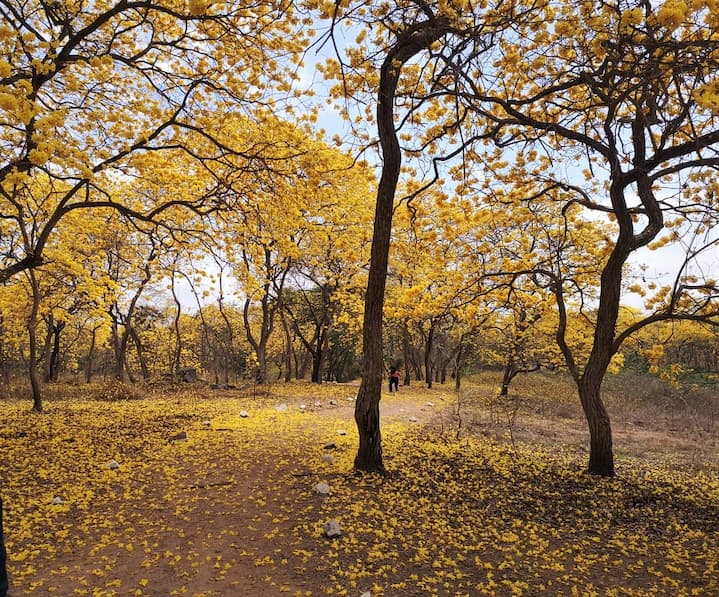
{"x": 207, "y": 423}
{"x": 243, "y": 414}
{"x": 113, "y": 465}
{"x": 282, "y": 408}
{"x": 341, "y": 432}
{"x": 303, "y": 406}
{"x": 413, "y": 419}
{"x": 430, "y": 404}
{"x": 366, "y": 594}
{"x": 328, "y": 458}
{"x": 318, "y": 404}
{"x": 57, "y": 500}
{"x": 333, "y": 402}
{"x": 332, "y": 529}
{"x": 322, "y": 488}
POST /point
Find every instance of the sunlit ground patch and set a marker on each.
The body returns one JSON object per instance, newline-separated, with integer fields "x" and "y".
{"x": 206, "y": 501}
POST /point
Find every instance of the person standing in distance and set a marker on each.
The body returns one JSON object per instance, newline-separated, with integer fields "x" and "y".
{"x": 393, "y": 379}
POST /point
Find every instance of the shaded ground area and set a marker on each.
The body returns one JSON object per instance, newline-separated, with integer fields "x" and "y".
{"x": 485, "y": 497}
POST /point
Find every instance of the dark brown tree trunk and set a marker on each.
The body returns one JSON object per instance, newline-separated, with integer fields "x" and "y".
{"x": 428, "y": 348}
{"x": 507, "y": 376}
{"x": 367, "y": 417}
{"x": 35, "y": 385}
{"x": 47, "y": 349}
{"x": 90, "y": 356}
{"x": 601, "y": 456}
{"x": 288, "y": 347}
{"x": 406, "y": 353}
{"x": 177, "y": 353}
{"x": 140, "y": 353}
{"x": 54, "y": 368}
{"x": 458, "y": 364}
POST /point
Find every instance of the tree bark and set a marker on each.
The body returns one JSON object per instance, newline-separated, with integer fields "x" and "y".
{"x": 406, "y": 353}
{"x": 367, "y": 415}
{"x": 53, "y": 372}
{"x": 35, "y": 385}
{"x": 428, "y": 348}
{"x": 288, "y": 347}
{"x": 601, "y": 456}
{"x": 90, "y": 356}
{"x": 458, "y": 364}
{"x": 139, "y": 349}
{"x": 177, "y": 352}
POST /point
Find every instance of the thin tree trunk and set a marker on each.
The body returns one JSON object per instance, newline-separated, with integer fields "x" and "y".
{"x": 428, "y": 347}
{"x": 35, "y": 385}
{"x": 47, "y": 350}
{"x": 90, "y": 356}
{"x": 458, "y": 364}
{"x": 140, "y": 353}
{"x": 177, "y": 354}
{"x": 54, "y": 358}
{"x": 367, "y": 416}
{"x": 406, "y": 353}
{"x": 288, "y": 346}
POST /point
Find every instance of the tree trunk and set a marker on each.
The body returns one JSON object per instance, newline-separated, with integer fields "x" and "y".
{"x": 507, "y": 376}
{"x": 54, "y": 361}
{"x": 320, "y": 355}
{"x": 90, "y": 356}
{"x": 601, "y": 457}
{"x": 458, "y": 365}
{"x": 288, "y": 347}
{"x": 140, "y": 353}
{"x": 35, "y": 385}
{"x": 54, "y": 358}
{"x": 428, "y": 347}
{"x": 3, "y": 557}
{"x": 177, "y": 353}
{"x": 406, "y": 353}
{"x": 409, "y": 43}
{"x": 47, "y": 350}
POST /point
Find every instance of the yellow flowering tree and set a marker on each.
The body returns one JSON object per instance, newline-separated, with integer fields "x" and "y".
{"x": 86, "y": 88}
{"x": 613, "y": 103}
{"x": 623, "y": 99}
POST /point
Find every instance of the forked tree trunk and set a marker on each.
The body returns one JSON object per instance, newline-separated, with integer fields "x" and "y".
{"x": 409, "y": 43}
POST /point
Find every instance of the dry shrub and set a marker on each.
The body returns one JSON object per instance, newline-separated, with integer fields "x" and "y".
{"x": 116, "y": 391}
{"x": 656, "y": 402}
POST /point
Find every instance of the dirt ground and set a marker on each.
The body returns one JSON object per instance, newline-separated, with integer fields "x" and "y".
{"x": 231, "y": 510}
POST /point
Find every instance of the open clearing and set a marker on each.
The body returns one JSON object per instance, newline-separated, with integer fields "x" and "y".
{"x": 484, "y": 497}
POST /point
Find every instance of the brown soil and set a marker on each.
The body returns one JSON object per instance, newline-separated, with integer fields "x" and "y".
{"x": 245, "y": 522}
